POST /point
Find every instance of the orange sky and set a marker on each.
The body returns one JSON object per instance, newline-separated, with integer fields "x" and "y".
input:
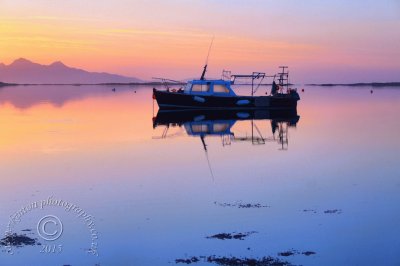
{"x": 142, "y": 39}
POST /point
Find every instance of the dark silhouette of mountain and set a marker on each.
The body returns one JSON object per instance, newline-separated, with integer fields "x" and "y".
{"x": 2, "y": 84}
{"x": 23, "y": 71}
{"x": 372, "y": 84}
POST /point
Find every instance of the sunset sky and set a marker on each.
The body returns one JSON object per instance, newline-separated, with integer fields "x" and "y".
{"x": 321, "y": 41}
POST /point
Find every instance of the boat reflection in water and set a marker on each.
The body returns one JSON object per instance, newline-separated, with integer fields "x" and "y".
{"x": 219, "y": 123}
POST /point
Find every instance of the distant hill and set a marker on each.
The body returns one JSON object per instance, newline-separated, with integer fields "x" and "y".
{"x": 23, "y": 71}
{"x": 3, "y": 84}
{"x": 373, "y": 84}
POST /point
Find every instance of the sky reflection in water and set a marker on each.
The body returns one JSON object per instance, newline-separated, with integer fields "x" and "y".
{"x": 155, "y": 199}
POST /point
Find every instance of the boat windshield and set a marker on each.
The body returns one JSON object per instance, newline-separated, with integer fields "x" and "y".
{"x": 209, "y": 87}
{"x": 220, "y": 88}
{"x": 201, "y": 87}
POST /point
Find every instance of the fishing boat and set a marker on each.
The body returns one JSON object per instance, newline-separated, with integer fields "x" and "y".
{"x": 218, "y": 94}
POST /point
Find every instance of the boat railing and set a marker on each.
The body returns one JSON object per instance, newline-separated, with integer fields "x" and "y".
{"x": 256, "y": 80}
{"x": 280, "y": 80}
{"x": 226, "y": 75}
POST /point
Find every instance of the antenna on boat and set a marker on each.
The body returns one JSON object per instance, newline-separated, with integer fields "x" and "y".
{"x": 208, "y": 54}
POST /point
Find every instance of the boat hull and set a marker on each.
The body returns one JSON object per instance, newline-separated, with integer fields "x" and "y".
{"x": 177, "y": 100}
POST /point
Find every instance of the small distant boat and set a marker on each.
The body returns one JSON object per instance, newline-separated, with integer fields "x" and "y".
{"x": 218, "y": 94}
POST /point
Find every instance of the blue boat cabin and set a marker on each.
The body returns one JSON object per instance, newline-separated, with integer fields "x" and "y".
{"x": 209, "y": 87}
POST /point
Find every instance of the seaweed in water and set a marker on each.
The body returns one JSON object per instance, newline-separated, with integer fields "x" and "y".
{"x": 187, "y": 261}
{"x": 310, "y": 210}
{"x": 295, "y": 252}
{"x": 333, "y": 211}
{"x": 242, "y": 205}
{"x": 18, "y": 241}
{"x": 308, "y": 253}
{"x": 288, "y": 253}
{"x": 234, "y": 261}
{"x": 223, "y": 236}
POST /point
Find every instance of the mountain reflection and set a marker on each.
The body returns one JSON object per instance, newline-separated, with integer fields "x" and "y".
{"x": 220, "y": 123}
{"x": 25, "y": 97}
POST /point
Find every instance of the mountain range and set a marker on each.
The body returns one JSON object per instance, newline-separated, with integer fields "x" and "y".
{"x": 23, "y": 71}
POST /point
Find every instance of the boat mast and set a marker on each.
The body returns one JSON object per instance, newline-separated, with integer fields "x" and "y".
{"x": 208, "y": 54}
{"x": 284, "y": 78}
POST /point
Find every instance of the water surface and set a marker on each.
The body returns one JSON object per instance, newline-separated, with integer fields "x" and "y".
{"x": 327, "y": 182}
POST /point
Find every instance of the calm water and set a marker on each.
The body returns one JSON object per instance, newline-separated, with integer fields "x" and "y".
{"x": 327, "y": 181}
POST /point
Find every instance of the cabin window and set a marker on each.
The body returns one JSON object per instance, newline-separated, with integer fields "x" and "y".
{"x": 202, "y": 128}
{"x": 201, "y": 87}
{"x": 220, "y": 88}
